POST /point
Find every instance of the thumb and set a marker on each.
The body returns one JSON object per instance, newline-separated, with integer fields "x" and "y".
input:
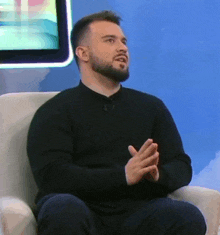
{"x": 132, "y": 150}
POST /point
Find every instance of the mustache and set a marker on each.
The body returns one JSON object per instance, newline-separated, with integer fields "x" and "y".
{"x": 121, "y": 55}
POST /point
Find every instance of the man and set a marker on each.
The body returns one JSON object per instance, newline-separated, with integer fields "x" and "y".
{"x": 105, "y": 157}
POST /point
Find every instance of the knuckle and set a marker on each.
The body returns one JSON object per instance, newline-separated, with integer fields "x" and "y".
{"x": 157, "y": 154}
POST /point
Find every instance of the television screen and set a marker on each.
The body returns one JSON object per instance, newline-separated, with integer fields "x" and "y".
{"x": 35, "y": 33}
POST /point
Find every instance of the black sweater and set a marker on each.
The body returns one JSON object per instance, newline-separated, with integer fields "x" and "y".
{"x": 78, "y": 144}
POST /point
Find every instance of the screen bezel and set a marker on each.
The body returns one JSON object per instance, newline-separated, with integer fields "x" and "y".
{"x": 44, "y": 55}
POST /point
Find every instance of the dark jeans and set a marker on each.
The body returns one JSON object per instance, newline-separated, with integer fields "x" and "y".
{"x": 65, "y": 214}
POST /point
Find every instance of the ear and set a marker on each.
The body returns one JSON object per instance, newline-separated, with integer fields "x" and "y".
{"x": 82, "y": 53}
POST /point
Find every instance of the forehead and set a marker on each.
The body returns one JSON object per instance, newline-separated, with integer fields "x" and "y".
{"x": 102, "y": 28}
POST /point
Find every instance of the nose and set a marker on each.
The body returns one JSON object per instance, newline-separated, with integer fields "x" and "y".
{"x": 122, "y": 47}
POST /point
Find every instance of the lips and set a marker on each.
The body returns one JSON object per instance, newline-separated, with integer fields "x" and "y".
{"x": 122, "y": 58}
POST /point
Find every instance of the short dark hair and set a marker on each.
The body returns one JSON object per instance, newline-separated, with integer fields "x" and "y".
{"x": 81, "y": 27}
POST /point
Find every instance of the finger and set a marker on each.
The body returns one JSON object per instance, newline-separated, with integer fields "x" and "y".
{"x": 157, "y": 154}
{"x": 152, "y": 160}
{"x": 152, "y": 175}
{"x": 149, "y": 151}
{"x": 145, "y": 145}
{"x": 157, "y": 159}
{"x": 132, "y": 150}
{"x": 157, "y": 175}
{"x": 144, "y": 171}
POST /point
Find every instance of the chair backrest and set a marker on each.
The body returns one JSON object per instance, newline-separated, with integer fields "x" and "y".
{"x": 16, "y": 113}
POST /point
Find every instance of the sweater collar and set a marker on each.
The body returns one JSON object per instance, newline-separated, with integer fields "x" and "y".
{"x": 89, "y": 92}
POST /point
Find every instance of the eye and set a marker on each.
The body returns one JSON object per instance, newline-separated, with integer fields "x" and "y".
{"x": 111, "y": 40}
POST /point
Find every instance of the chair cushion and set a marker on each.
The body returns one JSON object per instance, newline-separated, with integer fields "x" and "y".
{"x": 17, "y": 110}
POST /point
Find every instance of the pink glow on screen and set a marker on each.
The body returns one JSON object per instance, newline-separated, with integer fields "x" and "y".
{"x": 31, "y": 2}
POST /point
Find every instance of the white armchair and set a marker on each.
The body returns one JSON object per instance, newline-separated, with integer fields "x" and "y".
{"x": 18, "y": 188}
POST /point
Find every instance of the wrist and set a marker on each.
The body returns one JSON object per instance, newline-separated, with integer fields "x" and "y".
{"x": 153, "y": 176}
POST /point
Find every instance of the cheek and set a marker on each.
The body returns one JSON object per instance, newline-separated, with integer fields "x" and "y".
{"x": 104, "y": 55}
{"x": 102, "y": 52}
{"x": 105, "y": 51}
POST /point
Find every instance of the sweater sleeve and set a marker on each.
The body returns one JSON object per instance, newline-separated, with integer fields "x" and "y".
{"x": 51, "y": 150}
{"x": 174, "y": 165}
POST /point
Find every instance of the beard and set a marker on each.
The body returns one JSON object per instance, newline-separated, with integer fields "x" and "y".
{"x": 107, "y": 70}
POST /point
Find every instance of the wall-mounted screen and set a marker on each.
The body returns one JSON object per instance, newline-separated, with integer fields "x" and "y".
{"x": 35, "y": 33}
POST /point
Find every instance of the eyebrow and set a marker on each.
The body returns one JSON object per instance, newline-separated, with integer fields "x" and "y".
{"x": 113, "y": 36}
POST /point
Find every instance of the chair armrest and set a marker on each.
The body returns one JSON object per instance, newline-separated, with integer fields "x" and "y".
{"x": 207, "y": 200}
{"x": 16, "y": 216}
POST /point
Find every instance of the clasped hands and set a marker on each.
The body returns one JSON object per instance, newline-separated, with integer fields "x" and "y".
{"x": 143, "y": 164}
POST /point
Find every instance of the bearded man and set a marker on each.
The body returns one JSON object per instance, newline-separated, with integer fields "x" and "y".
{"x": 104, "y": 156}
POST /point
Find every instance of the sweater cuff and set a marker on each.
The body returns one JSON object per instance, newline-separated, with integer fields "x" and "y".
{"x": 120, "y": 177}
{"x": 162, "y": 177}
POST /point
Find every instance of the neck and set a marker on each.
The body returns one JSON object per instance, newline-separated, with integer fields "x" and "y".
{"x": 100, "y": 84}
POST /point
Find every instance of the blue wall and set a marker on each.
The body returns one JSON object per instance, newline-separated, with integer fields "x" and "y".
{"x": 175, "y": 54}
{"x": 174, "y": 47}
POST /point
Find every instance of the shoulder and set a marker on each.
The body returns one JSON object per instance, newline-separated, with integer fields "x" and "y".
{"x": 139, "y": 96}
{"x": 64, "y": 96}
{"x": 60, "y": 101}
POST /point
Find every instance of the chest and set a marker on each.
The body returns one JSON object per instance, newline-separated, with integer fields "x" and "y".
{"x": 113, "y": 130}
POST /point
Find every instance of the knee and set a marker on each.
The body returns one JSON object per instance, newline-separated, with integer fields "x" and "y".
{"x": 187, "y": 218}
{"x": 200, "y": 222}
{"x": 62, "y": 214}
{"x": 63, "y": 205}
{"x": 194, "y": 219}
